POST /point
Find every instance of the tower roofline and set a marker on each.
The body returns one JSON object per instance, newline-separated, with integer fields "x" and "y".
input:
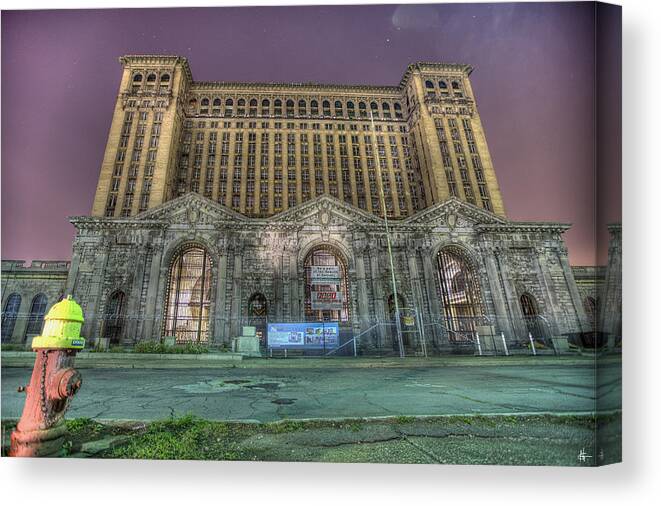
{"x": 174, "y": 59}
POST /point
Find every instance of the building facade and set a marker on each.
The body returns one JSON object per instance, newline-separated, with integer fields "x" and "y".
{"x": 216, "y": 199}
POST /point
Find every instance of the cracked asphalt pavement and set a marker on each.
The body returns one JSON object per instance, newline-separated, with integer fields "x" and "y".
{"x": 268, "y": 394}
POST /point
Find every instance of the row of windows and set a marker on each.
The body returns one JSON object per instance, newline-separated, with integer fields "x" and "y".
{"x": 443, "y": 88}
{"x": 264, "y": 125}
{"x": 290, "y": 109}
{"x": 11, "y": 311}
{"x": 151, "y": 78}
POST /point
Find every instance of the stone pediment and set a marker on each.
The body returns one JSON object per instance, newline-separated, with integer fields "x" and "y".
{"x": 325, "y": 211}
{"x": 192, "y": 209}
{"x": 454, "y": 213}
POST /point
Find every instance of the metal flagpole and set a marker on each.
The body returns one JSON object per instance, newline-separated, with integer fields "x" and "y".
{"x": 400, "y": 343}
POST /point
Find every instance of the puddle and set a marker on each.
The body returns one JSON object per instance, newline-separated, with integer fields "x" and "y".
{"x": 269, "y": 387}
{"x": 213, "y": 386}
{"x": 284, "y": 401}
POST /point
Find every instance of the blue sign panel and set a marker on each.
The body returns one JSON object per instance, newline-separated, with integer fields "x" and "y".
{"x": 307, "y": 335}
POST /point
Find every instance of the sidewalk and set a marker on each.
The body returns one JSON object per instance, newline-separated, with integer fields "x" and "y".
{"x": 88, "y": 360}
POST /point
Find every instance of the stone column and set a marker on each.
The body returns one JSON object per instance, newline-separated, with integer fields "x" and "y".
{"x": 277, "y": 286}
{"x": 496, "y": 285}
{"x": 579, "y": 310}
{"x": 416, "y": 291}
{"x": 220, "y": 310}
{"x": 377, "y": 296}
{"x": 363, "y": 304}
{"x": 150, "y": 316}
{"x": 91, "y": 325}
{"x": 295, "y": 302}
{"x": 73, "y": 271}
{"x": 235, "y": 313}
{"x": 133, "y": 317}
{"x": 549, "y": 290}
{"x": 436, "y": 314}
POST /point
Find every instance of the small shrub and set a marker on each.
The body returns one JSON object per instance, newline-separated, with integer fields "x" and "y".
{"x": 157, "y": 347}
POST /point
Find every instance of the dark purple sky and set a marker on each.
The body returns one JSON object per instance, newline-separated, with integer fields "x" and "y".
{"x": 533, "y": 80}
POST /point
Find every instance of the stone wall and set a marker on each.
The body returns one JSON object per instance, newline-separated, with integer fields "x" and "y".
{"x": 40, "y": 277}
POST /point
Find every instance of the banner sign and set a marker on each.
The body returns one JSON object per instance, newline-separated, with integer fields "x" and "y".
{"x": 327, "y": 300}
{"x": 325, "y": 275}
{"x": 306, "y": 335}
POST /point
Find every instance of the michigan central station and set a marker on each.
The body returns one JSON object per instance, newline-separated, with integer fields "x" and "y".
{"x": 216, "y": 201}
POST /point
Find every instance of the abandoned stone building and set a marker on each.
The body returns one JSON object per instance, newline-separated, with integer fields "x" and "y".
{"x": 215, "y": 201}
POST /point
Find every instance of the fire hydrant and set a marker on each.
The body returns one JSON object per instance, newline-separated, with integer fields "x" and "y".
{"x": 41, "y": 430}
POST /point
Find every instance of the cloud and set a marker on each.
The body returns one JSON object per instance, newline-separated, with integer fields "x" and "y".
{"x": 416, "y": 17}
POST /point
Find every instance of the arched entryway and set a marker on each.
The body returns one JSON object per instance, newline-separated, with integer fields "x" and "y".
{"x": 392, "y": 320}
{"x": 37, "y": 312}
{"x": 113, "y": 318}
{"x": 9, "y": 315}
{"x": 334, "y": 294}
{"x": 188, "y": 295}
{"x": 460, "y": 294}
{"x": 535, "y": 325}
{"x": 257, "y": 312}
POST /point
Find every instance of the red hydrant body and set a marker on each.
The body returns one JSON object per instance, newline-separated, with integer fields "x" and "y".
{"x": 41, "y": 429}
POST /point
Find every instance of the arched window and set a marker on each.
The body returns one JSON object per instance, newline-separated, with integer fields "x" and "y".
{"x": 241, "y": 107}
{"x": 188, "y": 296}
{"x": 375, "y": 109}
{"x": 460, "y": 294}
{"x": 398, "y": 110}
{"x": 443, "y": 85}
{"x": 530, "y": 312}
{"x": 37, "y": 312}
{"x": 351, "y": 109}
{"x": 362, "y": 109}
{"x": 314, "y": 108}
{"x": 216, "y": 106}
{"x": 429, "y": 85}
{"x": 290, "y": 108}
{"x": 386, "y": 110}
{"x": 9, "y": 315}
{"x": 302, "y": 108}
{"x": 113, "y": 317}
{"x": 165, "y": 78}
{"x": 314, "y": 302}
{"x": 277, "y": 107}
{"x": 151, "y": 78}
{"x": 265, "y": 107}
{"x": 229, "y": 105}
{"x": 252, "y": 108}
{"x": 455, "y": 85}
{"x": 326, "y": 107}
{"x": 137, "y": 78}
{"x": 216, "y": 102}
{"x": 338, "y": 109}
{"x": 192, "y": 103}
{"x": 204, "y": 106}
{"x": 590, "y": 304}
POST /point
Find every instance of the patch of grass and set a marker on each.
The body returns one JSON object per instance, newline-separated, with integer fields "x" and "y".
{"x": 78, "y": 427}
{"x": 14, "y": 347}
{"x": 157, "y": 347}
{"x": 184, "y": 438}
{"x": 404, "y": 419}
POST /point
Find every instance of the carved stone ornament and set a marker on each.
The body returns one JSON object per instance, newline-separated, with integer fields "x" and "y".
{"x": 451, "y": 220}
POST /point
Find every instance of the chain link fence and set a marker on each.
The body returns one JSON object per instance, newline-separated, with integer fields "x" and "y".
{"x": 412, "y": 335}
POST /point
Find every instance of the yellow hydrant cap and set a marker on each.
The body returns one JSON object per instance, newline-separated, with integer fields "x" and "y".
{"x": 62, "y": 327}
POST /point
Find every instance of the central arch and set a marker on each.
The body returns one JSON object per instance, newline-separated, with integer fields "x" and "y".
{"x": 460, "y": 293}
{"x": 326, "y": 255}
{"x": 189, "y": 295}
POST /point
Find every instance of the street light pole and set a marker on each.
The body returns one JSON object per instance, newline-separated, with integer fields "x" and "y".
{"x": 400, "y": 343}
